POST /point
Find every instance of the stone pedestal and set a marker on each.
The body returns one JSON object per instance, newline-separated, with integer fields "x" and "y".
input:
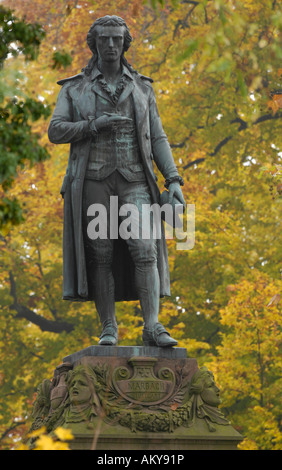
{"x": 135, "y": 398}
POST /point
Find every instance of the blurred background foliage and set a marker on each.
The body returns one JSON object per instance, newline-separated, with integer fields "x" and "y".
{"x": 217, "y": 72}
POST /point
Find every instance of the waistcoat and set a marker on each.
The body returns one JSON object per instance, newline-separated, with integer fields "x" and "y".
{"x": 115, "y": 148}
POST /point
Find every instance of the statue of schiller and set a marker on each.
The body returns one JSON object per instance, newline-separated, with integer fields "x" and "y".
{"x": 108, "y": 114}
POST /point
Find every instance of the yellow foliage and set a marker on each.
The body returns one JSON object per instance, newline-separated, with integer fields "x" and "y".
{"x": 63, "y": 434}
{"x": 216, "y": 66}
{"x": 47, "y": 442}
{"x": 249, "y": 363}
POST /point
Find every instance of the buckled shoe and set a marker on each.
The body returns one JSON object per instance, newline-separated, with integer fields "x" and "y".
{"x": 109, "y": 336}
{"x": 158, "y": 336}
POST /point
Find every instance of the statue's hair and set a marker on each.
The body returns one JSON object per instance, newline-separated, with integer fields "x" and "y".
{"x": 91, "y": 40}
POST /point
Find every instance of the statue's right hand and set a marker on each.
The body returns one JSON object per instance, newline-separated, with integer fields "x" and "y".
{"x": 108, "y": 119}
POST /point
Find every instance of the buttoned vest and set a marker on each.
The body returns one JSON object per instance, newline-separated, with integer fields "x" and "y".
{"x": 115, "y": 148}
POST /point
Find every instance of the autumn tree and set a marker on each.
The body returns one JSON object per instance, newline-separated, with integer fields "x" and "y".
{"x": 248, "y": 365}
{"x": 217, "y": 78}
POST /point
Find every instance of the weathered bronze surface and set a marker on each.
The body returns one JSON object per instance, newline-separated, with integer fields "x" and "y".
{"x": 108, "y": 114}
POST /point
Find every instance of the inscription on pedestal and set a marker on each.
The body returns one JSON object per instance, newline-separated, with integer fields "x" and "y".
{"x": 144, "y": 387}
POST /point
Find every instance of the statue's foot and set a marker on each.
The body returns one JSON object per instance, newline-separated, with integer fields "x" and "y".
{"x": 109, "y": 336}
{"x": 158, "y": 336}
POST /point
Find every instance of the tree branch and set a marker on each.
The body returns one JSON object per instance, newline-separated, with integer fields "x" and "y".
{"x": 43, "y": 323}
{"x": 194, "y": 162}
{"x": 243, "y": 126}
{"x": 220, "y": 145}
{"x": 157, "y": 65}
{"x": 181, "y": 144}
{"x": 10, "y": 429}
{"x": 183, "y": 23}
{"x": 52, "y": 308}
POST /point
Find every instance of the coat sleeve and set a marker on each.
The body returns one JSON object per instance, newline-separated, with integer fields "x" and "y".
{"x": 62, "y": 129}
{"x": 161, "y": 149}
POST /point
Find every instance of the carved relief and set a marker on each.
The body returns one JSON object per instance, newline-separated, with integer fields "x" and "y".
{"x": 144, "y": 388}
{"x": 138, "y": 396}
{"x": 59, "y": 391}
{"x": 84, "y": 402}
{"x": 204, "y": 400}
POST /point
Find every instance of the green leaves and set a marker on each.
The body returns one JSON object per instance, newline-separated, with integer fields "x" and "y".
{"x": 10, "y": 212}
{"x": 18, "y": 144}
{"x": 191, "y": 46}
{"x": 242, "y": 84}
{"x": 61, "y": 59}
{"x": 17, "y": 36}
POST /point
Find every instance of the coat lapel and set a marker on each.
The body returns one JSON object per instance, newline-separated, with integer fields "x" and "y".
{"x": 86, "y": 100}
{"x": 96, "y": 88}
{"x": 126, "y": 92}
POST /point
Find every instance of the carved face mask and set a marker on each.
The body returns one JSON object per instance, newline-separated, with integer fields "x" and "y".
{"x": 79, "y": 390}
{"x": 210, "y": 394}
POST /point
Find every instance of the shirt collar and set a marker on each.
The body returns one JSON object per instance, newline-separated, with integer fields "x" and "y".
{"x": 97, "y": 73}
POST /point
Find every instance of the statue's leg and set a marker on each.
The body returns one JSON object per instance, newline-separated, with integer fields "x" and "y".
{"x": 143, "y": 250}
{"x": 103, "y": 283}
{"x": 147, "y": 284}
{"x": 99, "y": 256}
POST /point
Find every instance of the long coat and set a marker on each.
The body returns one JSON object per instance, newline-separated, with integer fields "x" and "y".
{"x": 69, "y": 124}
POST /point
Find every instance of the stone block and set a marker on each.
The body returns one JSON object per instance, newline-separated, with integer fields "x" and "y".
{"x": 134, "y": 398}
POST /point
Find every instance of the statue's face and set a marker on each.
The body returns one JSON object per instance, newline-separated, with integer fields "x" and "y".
{"x": 79, "y": 390}
{"x": 109, "y": 42}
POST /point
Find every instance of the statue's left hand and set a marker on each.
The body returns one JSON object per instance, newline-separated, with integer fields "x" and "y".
{"x": 175, "y": 190}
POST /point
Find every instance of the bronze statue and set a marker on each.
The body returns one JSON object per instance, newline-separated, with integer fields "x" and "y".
{"x": 108, "y": 114}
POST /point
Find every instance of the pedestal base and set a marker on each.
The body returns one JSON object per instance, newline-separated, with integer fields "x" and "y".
{"x": 135, "y": 398}
{"x": 118, "y": 439}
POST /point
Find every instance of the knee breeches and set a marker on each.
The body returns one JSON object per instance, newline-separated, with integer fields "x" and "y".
{"x": 136, "y": 196}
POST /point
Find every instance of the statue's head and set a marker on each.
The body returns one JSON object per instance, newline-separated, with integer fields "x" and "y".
{"x": 98, "y": 41}
{"x": 102, "y": 27}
